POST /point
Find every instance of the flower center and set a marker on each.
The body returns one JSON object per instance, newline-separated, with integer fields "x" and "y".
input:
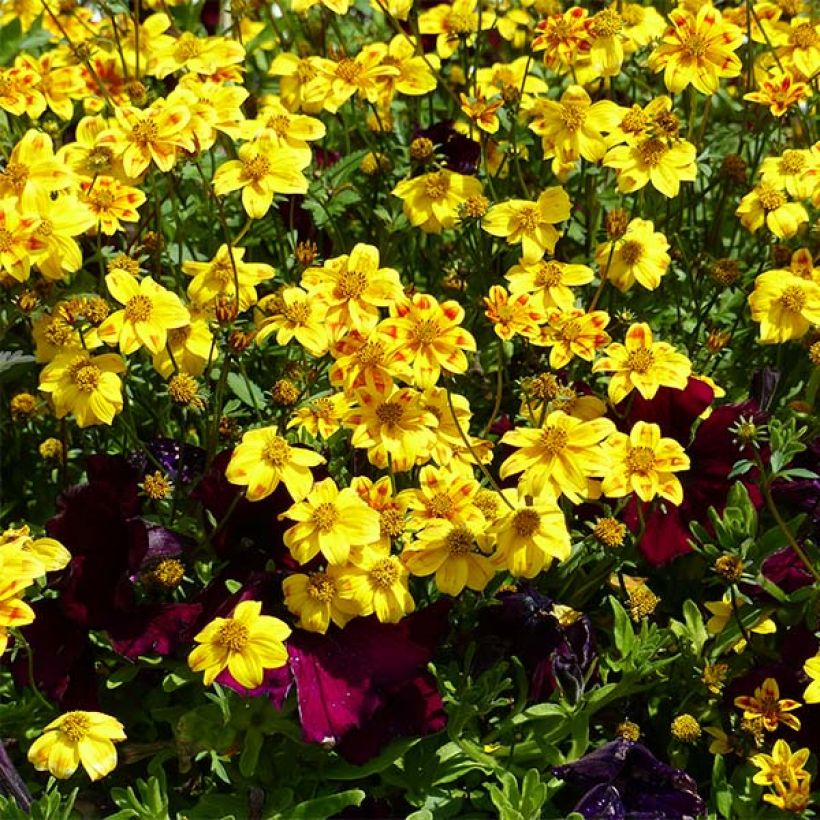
{"x": 321, "y": 587}
{"x": 571, "y": 330}
{"x": 803, "y": 36}
{"x": 526, "y": 220}
{"x": 460, "y": 23}
{"x": 255, "y": 168}
{"x": 770, "y": 198}
{"x": 276, "y": 452}
{"x": 640, "y": 459}
{"x": 348, "y": 70}
{"x": 793, "y": 298}
{"x": 233, "y": 636}
{"x": 607, "y": 23}
{"x": 188, "y": 46}
{"x": 145, "y": 132}
{"x": 44, "y": 228}
{"x": 436, "y": 185}
{"x": 305, "y": 71}
{"x": 75, "y": 726}
{"x": 391, "y": 522}
{"x": 351, "y": 285}
{"x": 385, "y": 573}
{"x": 459, "y": 541}
{"x": 323, "y": 408}
{"x": 548, "y": 276}
{"x": 439, "y": 505}
{"x": 101, "y": 198}
{"x": 369, "y": 354}
{"x": 632, "y": 14}
{"x": 15, "y": 176}
{"x": 572, "y": 116}
{"x": 631, "y": 251}
{"x": 279, "y": 124}
{"x": 389, "y": 413}
{"x": 298, "y": 312}
{"x": 425, "y": 332}
{"x": 525, "y": 523}
{"x": 695, "y": 45}
{"x": 325, "y": 516}
{"x": 138, "y": 309}
{"x": 635, "y": 121}
{"x": 652, "y": 152}
{"x": 792, "y": 162}
{"x": 222, "y": 271}
{"x": 640, "y": 360}
{"x": 167, "y": 574}
{"x": 6, "y": 240}
{"x": 553, "y": 440}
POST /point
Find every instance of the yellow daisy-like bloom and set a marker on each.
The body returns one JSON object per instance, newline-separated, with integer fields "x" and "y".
{"x": 111, "y": 202}
{"x": 87, "y": 387}
{"x": 574, "y": 126}
{"x": 801, "y": 51}
{"x": 246, "y": 644}
{"x": 63, "y": 219}
{"x": 292, "y": 314}
{"x": 780, "y": 93}
{"x": 643, "y": 462}
{"x": 510, "y": 81}
{"x": 793, "y": 796}
{"x": 723, "y": 612}
{"x": 640, "y": 255}
{"x": 330, "y": 521}
{"x": 19, "y": 242}
{"x": 321, "y": 416}
{"x": 451, "y": 552}
{"x": 431, "y": 201}
{"x": 564, "y": 39}
{"x": 378, "y": 584}
{"x": 353, "y": 288}
{"x": 365, "y": 358}
{"x": 767, "y": 706}
{"x": 530, "y": 223}
{"x": 548, "y": 282}
{"x": 782, "y": 764}
{"x": 643, "y": 364}
{"x": 415, "y": 77}
{"x": 697, "y": 50}
{"x": 392, "y": 509}
{"x": 78, "y": 738}
{"x": 442, "y": 495}
{"x": 319, "y": 598}
{"x": 226, "y": 276}
{"x": 559, "y": 457}
{"x": 199, "y": 55}
{"x": 150, "y": 312}
{"x": 432, "y": 334}
{"x": 785, "y": 305}
{"x": 529, "y": 536}
{"x": 653, "y": 160}
{"x": 262, "y": 170}
{"x": 355, "y": 75}
{"x": 812, "y": 668}
{"x": 264, "y": 459}
{"x": 795, "y": 171}
{"x": 189, "y": 348}
{"x": 301, "y": 85}
{"x": 281, "y": 127}
{"x": 512, "y": 315}
{"x": 51, "y": 554}
{"x": 573, "y": 333}
{"x": 393, "y": 425}
{"x": 766, "y": 204}
{"x": 454, "y": 23}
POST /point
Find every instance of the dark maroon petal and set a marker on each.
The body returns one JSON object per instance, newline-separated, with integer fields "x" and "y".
{"x": 786, "y": 570}
{"x": 275, "y": 685}
{"x": 666, "y": 535}
{"x": 674, "y": 411}
{"x": 154, "y": 630}
{"x": 461, "y": 154}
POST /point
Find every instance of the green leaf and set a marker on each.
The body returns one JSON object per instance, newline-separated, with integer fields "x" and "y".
{"x": 623, "y": 632}
{"x": 250, "y": 752}
{"x": 246, "y": 391}
{"x": 321, "y": 808}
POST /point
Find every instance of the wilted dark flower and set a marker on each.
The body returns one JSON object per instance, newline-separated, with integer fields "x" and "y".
{"x": 624, "y": 779}
{"x": 764, "y": 386}
{"x": 461, "y": 154}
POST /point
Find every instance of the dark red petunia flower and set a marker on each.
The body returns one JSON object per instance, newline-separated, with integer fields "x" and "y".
{"x": 363, "y": 685}
{"x": 461, "y": 154}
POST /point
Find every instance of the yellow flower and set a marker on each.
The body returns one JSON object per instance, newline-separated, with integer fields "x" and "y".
{"x": 301, "y": 85}
{"x": 529, "y": 536}
{"x": 643, "y": 462}
{"x": 391, "y": 508}
{"x": 801, "y": 51}
{"x": 18, "y": 91}
{"x": 780, "y": 92}
{"x": 368, "y": 358}
{"x": 415, "y": 72}
{"x": 431, "y": 201}
{"x": 246, "y": 644}
{"x": 59, "y": 84}
{"x": 330, "y": 521}
{"x": 351, "y": 75}
{"x": 111, "y": 202}
{"x": 393, "y": 425}
{"x": 512, "y": 315}
{"x": 723, "y": 612}
{"x": 640, "y": 255}
{"x": 510, "y": 81}
{"x": 150, "y": 312}
{"x": 767, "y": 204}
{"x": 199, "y": 55}
{"x": 548, "y": 282}
{"x": 275, "y": 124}
{"x": 217, "y": 279}
{"x": 793, "y": 796}
{"x": 442, "y": 495}
{"x": 782, "y": 764}
{"x": 573, "y": 333}
{"x": 292, "y": 314}
{"x": 483, "y": 114}
{"x": 786, "y": 305}
{"x": 767, "y": 706}
{"x": 189, "y": 348}
{"x": 62, "y": 220}
{"x": 322, "y": 416}
{"x": 19, "y": 242}
{"x": 530, "y": 223}
{"x": 812, "y": 668}
{"x": 564, "y": 39}
{"x": 643, "y": 364}
{"x": 451, "y": 552}
{"x": 353, "y": 287}
{"x": 264, "y": 459}
{"x": 559, "y": 457}
{"x": 432, "y": 334}
{"x": 77, "y": 738}
{"x": 795, "y": 171}
{"x": 87, "y": 387}
{"x": 320, "y": 597}
{"x": 697, "y": 50}
{"x": 378, "y": 584}
{"x": 262, "y": 170}
{"x": 454, "y": 23}
{"x": 653, "y": 160}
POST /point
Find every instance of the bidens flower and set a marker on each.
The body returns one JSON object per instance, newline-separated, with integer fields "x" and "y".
{"x": 76, "y": 738}
{"x": 785, "y": 305}
{"x": 431, "y": 201}
{"x": 246, "y": 644}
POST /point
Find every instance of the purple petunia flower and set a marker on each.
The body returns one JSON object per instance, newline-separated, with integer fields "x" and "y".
{"x": 623, "y": 779}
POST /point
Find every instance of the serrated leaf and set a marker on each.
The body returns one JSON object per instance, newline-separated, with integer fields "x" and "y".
{"x": 246, "y": 391}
